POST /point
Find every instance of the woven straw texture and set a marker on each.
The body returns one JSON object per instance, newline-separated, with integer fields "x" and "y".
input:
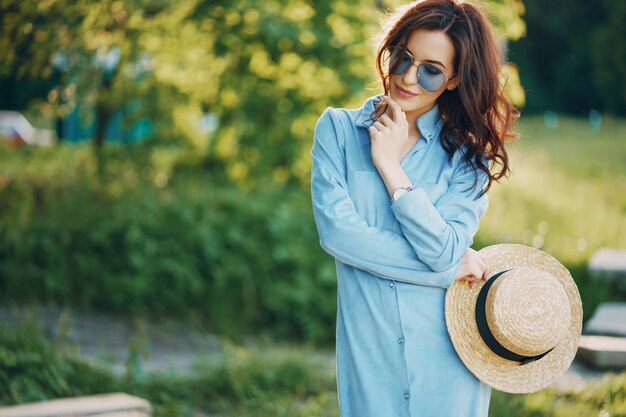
{"x": 530, "y": 309}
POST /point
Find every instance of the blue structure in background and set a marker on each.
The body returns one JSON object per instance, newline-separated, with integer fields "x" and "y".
{"x": 72, "y": 128}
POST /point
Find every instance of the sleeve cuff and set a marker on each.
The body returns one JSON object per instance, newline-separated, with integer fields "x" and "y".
{"x": 453, "y": 273}
{"x": 415, "y": 196}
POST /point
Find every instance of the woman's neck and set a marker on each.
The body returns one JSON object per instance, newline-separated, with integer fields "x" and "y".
{"x": 411, "y": 118}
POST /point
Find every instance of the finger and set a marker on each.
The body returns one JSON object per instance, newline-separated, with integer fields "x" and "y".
{"x": 476, "y": 271}
{"x": 486, "y": 273}
{"x": 480, "y": 262}
{"x": 395, "y": 108}
{"x": 469, "y": 278}
{"x": 477, "y": 260}
{"x": 386, "y": 120}
{"x": 488, "y": 269}
{"x": 486, "y": 266}
{"x": 373, "y": 132}
{"x": 379, "y": 126}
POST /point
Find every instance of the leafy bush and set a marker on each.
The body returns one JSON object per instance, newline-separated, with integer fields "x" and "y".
{"x": 155, "y": 231}
{"x": 33, "y": 369}
{"x": 196, "y": 247}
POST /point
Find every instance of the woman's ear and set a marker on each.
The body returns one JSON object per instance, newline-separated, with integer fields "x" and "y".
{"x": 453, "y": 83}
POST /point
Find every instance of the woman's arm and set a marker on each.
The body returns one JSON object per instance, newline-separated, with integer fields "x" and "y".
{"x": 344, "y": 234}
{"x": 440, "y": 234}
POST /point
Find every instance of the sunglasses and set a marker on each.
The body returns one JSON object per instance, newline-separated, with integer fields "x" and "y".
{"x": 429, "y": 76}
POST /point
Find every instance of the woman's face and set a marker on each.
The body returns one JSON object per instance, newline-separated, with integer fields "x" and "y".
{"x": 425, "y": 46}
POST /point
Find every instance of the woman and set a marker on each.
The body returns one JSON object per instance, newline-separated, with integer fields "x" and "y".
{"x": 398, "y": 188}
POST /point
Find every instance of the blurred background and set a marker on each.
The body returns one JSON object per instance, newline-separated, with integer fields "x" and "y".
{"x": 154, "y": 178}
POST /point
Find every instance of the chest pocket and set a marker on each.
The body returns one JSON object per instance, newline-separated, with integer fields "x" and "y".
{"x": 369, "y": 194}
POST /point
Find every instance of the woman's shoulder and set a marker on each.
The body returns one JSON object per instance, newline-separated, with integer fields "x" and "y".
{"x": 329, "y": 123}
{"x": 356, "y": 117}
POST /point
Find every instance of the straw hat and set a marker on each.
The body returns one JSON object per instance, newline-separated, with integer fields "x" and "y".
{"x": 529, "y": 312}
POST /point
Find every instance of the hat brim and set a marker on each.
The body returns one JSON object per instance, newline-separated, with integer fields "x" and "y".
{"x": 499, "y": 373}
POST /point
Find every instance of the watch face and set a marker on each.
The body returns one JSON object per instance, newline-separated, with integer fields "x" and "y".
{"x": 399, "y": 193}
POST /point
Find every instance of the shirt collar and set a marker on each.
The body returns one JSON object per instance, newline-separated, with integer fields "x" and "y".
{"x": 429, "y": 123}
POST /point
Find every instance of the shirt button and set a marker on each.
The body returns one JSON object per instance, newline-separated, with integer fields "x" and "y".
{"x": 401, "y": 340}
{"x": 392, "y": 285}
{"x": 406, "y": 396}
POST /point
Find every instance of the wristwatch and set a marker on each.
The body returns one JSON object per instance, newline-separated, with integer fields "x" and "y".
{"x": 399, "y": 192}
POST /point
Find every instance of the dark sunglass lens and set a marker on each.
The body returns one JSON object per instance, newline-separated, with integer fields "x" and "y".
{"x": 403, "y": 61}
{"x": 430, "y": 77}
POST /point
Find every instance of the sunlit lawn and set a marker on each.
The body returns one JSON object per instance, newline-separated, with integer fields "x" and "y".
{"x": 567, "y": 193}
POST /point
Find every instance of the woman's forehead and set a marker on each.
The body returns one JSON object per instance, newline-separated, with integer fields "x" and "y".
{"x": 429, "y": 45}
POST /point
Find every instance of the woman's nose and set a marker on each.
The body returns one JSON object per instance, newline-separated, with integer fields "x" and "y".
{"x": 410, "y": 75}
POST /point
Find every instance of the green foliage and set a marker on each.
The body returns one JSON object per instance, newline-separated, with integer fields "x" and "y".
{"x": 33, "y": 369}
{"x": 164, "y": 238}
{"x": 29, "y": 368}
{"x": 264, "y": 69}
{"x": 608, "y": 50}
{"x": 134, "y": 242}
{"x": 241, "y": 381}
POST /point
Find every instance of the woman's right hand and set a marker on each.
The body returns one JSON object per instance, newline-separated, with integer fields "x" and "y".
{"x": 474, "y": 266}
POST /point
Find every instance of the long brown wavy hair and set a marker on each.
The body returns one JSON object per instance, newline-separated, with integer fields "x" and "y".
{"x": 476, "y": 113}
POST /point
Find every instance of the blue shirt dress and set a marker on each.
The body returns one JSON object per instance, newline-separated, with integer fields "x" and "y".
{"x": 394, "y": 262}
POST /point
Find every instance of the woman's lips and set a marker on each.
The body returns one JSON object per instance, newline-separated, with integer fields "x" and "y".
{"x": 404, "y": 93}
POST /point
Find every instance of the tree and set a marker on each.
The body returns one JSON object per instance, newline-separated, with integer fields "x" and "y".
{"x": 573, "y": 57}
{"x": 264, "y": 69}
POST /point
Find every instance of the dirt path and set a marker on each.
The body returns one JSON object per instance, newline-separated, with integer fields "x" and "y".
{"x": 110, "y": 342}
{"x": 171, "y": 347}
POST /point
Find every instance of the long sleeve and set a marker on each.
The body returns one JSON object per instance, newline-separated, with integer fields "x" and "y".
{"x": 344, "y": 234}
{"x": 441, "y": 233}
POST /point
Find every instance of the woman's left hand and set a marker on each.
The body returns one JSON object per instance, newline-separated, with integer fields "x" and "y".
{"x": 474, "y": 267}
{"x": 389, "y": 137}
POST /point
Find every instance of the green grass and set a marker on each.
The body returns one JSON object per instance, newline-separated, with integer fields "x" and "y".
{"x": 566, "y": 196}
{"x": 567, "y": 191}
{"x": 602, "y": 398}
